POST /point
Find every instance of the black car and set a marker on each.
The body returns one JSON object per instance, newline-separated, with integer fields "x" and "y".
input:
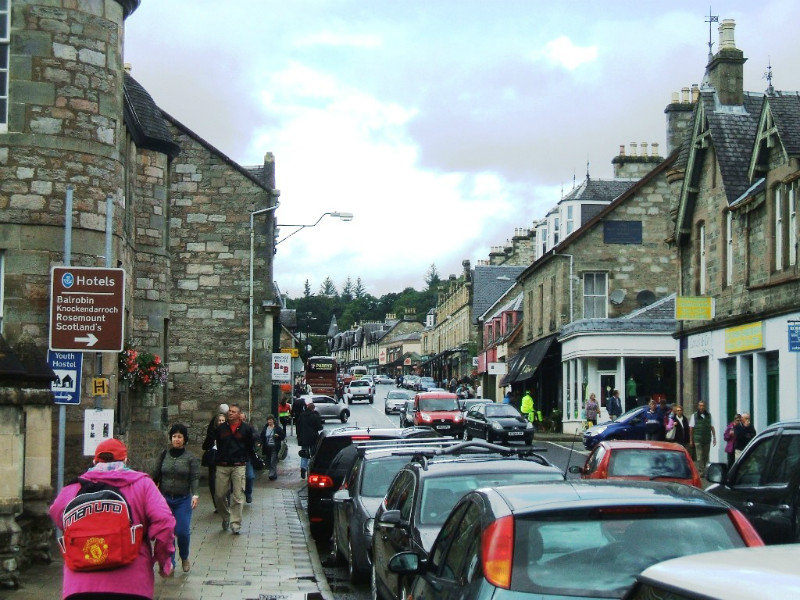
{"x": 426, "y": 489}
{"x": 764, "y": 483}
{"x": 497, "y": 422}
{"x": 327, "y": 469}
{"x": 362, "y": 492}
{"x": 574, "y": 539}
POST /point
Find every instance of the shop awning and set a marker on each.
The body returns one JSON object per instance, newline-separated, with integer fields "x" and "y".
{"x": 527, "y": 360}
{"x": 511, "y": 372}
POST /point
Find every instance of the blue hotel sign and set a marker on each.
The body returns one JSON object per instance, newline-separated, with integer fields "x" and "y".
{"x": 794, "y": 336}
{"x": 67, "y": 366}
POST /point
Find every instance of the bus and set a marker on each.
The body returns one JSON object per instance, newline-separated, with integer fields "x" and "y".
{"x": 321, "y": 375}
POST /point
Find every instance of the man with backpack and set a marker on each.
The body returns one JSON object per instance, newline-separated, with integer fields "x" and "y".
{"x": 116, "y": 525}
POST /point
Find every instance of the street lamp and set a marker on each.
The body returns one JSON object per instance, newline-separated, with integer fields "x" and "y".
{"x": 275, "y": 194}
{"x": 344, "y": 216}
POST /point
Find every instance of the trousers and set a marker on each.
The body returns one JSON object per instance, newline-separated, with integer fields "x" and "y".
{"x": 230, "y": 478}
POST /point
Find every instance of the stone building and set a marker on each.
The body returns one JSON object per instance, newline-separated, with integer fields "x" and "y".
{"x": 736, "y": 235}
{"x": 183, "y": 215}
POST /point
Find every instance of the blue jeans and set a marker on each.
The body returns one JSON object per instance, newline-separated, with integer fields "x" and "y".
{"x": 181, "y": 507}
{"x": 249, "y": 477}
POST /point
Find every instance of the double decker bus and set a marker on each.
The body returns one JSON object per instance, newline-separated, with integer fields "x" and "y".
{"x": 321, "y": 375}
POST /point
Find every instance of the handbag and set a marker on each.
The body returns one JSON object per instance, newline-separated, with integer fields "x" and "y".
{"x": 303, "y": 453}
{"x": 258, "y": 462}
{"x": 283, "y": 450}
{"x": 671, "y": 434}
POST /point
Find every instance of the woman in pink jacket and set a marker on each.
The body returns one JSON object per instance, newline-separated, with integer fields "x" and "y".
{"x": 133, "y": 581}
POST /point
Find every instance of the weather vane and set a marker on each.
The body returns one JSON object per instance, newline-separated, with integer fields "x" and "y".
{"x": 711, "y": 19}
{"x": 768, "y": 77}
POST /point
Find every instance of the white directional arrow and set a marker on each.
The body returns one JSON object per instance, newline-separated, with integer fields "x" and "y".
{"x": 90, "y": 340}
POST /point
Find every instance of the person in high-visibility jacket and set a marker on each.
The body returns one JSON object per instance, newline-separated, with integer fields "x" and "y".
{"x": 526, "y": 407}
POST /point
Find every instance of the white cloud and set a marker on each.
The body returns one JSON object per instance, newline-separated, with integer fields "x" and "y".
{"x": 330, "y": 38}
{"x": 563, "y": 52}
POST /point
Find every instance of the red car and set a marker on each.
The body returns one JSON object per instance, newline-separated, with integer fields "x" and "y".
{"x": 439, "y": 410}
{"x": 640, "y": 460}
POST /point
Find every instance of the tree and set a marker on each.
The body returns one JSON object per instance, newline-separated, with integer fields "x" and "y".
{"x": 327, "y": 288}
{"x": 307, "y": 289}
{"x": 432, "y": 278}
{"x": 359, "y": 291}
{"x": 347, "y": 290}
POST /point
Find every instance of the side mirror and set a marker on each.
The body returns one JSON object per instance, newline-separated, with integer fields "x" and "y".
{"x": 406, "y": 563}
{"x": 717, "y": 472}
{"x": 390, "y": 519}
{"x": 575, "y": 469}
{"x": 342, "y": 496}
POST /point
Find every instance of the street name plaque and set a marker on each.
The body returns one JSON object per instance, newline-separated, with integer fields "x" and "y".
{"x": 87, "y": 308}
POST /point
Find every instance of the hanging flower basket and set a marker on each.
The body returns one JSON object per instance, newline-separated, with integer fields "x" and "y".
{"x": 143, "y": 371}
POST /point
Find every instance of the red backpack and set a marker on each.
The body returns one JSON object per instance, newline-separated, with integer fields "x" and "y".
{"x": 99, "y": 533}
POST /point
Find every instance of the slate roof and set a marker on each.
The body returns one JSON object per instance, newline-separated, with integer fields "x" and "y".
{"x": 598, "y": 190}
{"x": 144, "y": 120}
{"x": 333, "y": 328}
{"x": 660, "y": 309}
{"x": 487, "y": 288}
{"x": 733, "y": 133}
{"x": 785, "y": 108}
{"x": 514, "y": 304}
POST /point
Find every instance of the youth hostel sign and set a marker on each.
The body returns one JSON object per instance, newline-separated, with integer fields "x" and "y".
{"x": 87, "y": 308}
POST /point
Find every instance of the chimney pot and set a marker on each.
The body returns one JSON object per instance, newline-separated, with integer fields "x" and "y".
{"x": 622, "y": 149}
{"x": 695, "y": 93}
{"x": 644, "y": 148}
{"x": 655, "y": 149}
{"x": 726, "y": 41}
{"x": 633, "y": 148}
{"x": 685, "y": 95}
{"x": 675, "y": 97}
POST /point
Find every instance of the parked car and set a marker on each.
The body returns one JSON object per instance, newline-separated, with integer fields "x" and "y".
{"x": 424, "y": 384}
{"x": 640, "y": 460}
{"x": 467, "y": 403}
{"x": 771, "y": 572}
{"x": 361, "y": 493}
{"x": 497, "y": 422}
{"x": 326, "y": 469}
{"x": 764, "y": 483}
{"x": 409, "y": 381}
{"x": 395, "y": 399}
{"x": 629, "y": 426}
{"x": 328, "y": 408}
{"x": 382, "y": 379}
{"x": 576, "y": 539}
{"x": 407, "y": 413}
{"x": 440, "y": 411}
{"x": 360, "y": 389}
{"x": 422, "y": 494}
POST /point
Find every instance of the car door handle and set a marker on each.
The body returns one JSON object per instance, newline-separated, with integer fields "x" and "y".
{"x": 784, "y": 507}
{"x": 749, "y": 504}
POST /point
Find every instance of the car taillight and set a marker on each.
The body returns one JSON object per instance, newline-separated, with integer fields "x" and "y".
{"x": 319, "y": 481}
{"x": 745, "y": 528}
{"x": 358, "y": 438}
{"x": 497, "y": 551}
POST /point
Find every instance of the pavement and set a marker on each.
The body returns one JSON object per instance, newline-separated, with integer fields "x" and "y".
{"x": 274, "y": 558}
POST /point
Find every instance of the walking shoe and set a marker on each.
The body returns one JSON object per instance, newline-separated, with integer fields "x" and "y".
{"x": 186, "y": 565}
{"x": 235, "y": 529}
{"x": 302, "y": 473}
{"x": 249, "y": 498}
{"x": 225, "y": 525}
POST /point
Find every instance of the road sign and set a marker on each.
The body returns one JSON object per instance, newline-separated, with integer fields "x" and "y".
{"x": 67, "y": 366}
{"x": 100, "y": 386}
{"x": 281, "y": 367}
{"x": 87, "y": 306}
{"x": 794, "y": 336}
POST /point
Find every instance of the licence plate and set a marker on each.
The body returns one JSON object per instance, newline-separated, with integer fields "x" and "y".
{"x": 514, "y": 433}
{"x": 443, "y": 427}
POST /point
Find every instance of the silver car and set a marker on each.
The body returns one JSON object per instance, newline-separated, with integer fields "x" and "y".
{"x": 328, "y": 408}
{"x": 395, "y": 400}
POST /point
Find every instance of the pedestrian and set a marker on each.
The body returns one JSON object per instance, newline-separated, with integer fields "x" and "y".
{"x": 285, "y": 413}
{"x": 743, "y": 433}
{"x": 730, "y": 439}
{"x": 653, "y": 422}
{"x": 507, "y": 396}
{"x": 210, "y": 450}
{"x": 298, "y": 406}
{"x": 308, "y": 427}
{"x": 592, "y": 409}
{"x": 680, "y": 424}
{"x": 235, "y": 441}
{"x": 177, "y": 474}
{"x": 271, "y": 437}
{"x": 526, "y": 408}
{"x": 133, "y": 581}
{"x": 701, "y": 436}
{"x": 614, "y": 405}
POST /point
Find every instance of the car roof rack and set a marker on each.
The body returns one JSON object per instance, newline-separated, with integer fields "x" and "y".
{"x": 363, "y": 446}
{"x": 424, "y": 455}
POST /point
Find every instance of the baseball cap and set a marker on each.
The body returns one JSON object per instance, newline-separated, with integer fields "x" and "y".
{"x": 111, "y": 446}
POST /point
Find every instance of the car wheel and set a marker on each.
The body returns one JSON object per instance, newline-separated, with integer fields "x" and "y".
{"x": 371, "y": 399}
{"x": 352, "y": 573}
{"x": 489, "y": 437}
{"x": 344, "y": 416}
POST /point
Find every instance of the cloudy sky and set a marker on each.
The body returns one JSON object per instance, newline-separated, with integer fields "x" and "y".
{"x": 441, "y": 124}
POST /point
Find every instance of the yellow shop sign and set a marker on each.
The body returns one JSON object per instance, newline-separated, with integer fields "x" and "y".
{"x": 694, "y": 308}
{"x": 744, "y": 338}
{"x": 293, "y": 352}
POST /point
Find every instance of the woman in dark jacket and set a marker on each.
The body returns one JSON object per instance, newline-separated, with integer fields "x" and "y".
{"x": 271, "y": 437}
{"x": 309, "y": 424}
{"x": 681, "y": 425}
{"x": 210, "y": 448}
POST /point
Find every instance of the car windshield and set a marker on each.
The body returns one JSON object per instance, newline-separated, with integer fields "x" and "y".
{"x": 400, "y": 395}
{"x": 501, "y": 410}
{"x": 440, "y": 494}
{"x": 636, "y": 462}
{"x": 628, "y": 415}
{"x": 438, "y": 403}
{"x": 549, "y": 552}
{"x": 378, "y": 474}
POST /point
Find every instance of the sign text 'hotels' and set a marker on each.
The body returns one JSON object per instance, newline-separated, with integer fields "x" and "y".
{"x": 87, "y": 308}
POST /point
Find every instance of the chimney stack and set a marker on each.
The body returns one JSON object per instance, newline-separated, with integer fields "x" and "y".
{"x": 725, "y": 72}
{"x": 679, "y": 116}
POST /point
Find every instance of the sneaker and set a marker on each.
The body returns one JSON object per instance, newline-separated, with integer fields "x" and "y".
{"x": 186, "y": 565}
{"x": 249, "y": 499}
{"x": 225, "y": 525}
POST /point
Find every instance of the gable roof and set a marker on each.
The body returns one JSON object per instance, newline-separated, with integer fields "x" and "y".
{"x": 785, "y": 107}
{"x": 598, "y": 190}
{"x": 144, "y": 120}
{"x": 489, "y": 283}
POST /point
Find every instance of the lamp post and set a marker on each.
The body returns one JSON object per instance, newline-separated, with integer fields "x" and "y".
{"x": 252, "y": 259}
{"x": 344, "y": 216}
